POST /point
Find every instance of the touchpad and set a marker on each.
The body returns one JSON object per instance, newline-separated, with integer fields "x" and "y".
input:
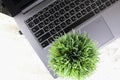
{"x": 99, "y": 31}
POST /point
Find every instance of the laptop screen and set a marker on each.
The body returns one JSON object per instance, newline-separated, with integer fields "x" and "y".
{"x": 15, "y": 6}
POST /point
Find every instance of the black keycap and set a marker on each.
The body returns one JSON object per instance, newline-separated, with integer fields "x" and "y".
{"x": 98, "y": 2}
{"x": 58, "y": 28}
{"x": 78, "y": 15}
{"x": 67, "y": 15}
{"x": 36, "y": 21}
{"x": 39, "y": 33}
{"x": 87, "y": 2}
{"x": 52, "y": 11}
{"x": 50, "y": 40}
{"x": 102, "y": 7}
{"x": 96, "y": 10}
{"x": 35, "y": 29}
{"x": 44, "y": 37}
{"x": 68, "y": 21}
{"x": 51, "y": 25}
{"x": 67, "y": 8}
{"x": 46, "y": 21}
{"x": 82, "y": 6}
{"x": 56, "y": 15}
{"x": 78, "y": 22}
{"x": 46, "y": 14}
{"x": 28, "y": 20}
{"x": 46, "y": 28}
{"x": 56, "y": 22}
{"x": 31, "y": 24}
{"x": 35, "y": 16}
{"x": 62, "y": 18}
{"x": 73, "y": 18}
{"x": 41, "y": 17}
{"x": 62, "y": 11}
{"x": 51, "y": 18}
{"x": 92, "y": 1}
{"x": 72, "y": 12}
{"x": 61, "y": 33}
{"x": 112, "y": 1}
{"x": 53, "y": 31}
{"x": 103, "y": 1}
{"x": 62, "y": 4}
{"x": 93, "y": 6}
{"x": 41, "y": 25}
{"x": 44, "y": 44}
{"x": 108, "y": 3}
{"x": 77, "y": 2}
{"x": 56, "y": 36}
{"x": 88, "y": 9}
{"x": 77, "y": 9}
{"x": 63, "y": 25}
{"x": 57, "y": 7}
{"x": 67, "y": 1}
{"x": 84, "y": 12}
{"x": 72, "y": 5}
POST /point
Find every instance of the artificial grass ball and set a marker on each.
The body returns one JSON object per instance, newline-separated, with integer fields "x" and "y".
{"x": 73, "y": 55}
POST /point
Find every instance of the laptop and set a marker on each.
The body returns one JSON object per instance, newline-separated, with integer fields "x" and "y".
{"x": 41, "y": 21}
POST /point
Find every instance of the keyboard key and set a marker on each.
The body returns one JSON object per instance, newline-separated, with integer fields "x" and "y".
{"x": 53, "y": 31}
{"x": 51, "y": 25}
{"x": 108, "y": 3}
{"x": 62, "y": 11}
{"x": 93, "y": 6}
{"x": 87, "y": 2}
{"x": 67, "y": 8}
{"x": 77, "y": 9}
{"x": 56, "y": 15}
{"x": 46, "y": 21}
{"x": 46, "y": 14}
{"x": 96, "y": 10}
{"x": 58, "y": 28}
{"x": 41, "y": 17}
{"x": 44, "y": 44}
{"x": 46, "y": 28}
{"x": 28, "y": 20}
{"x": 68, "y": 21}
{"x": 102, "y": 7}
{"x": 31, "y": 24}
{"x": 35, "y": 29}
{"x": 56, "y": 22}
{"x": 61, "y": 33}
{"x": 63, "y": 25}
{"x": 72, "y": 5}
{"x": 84, "y": 12}
{"x": 62, "y": 4}
{"x": 98, "y": 2}
{"x": 62, "y": 18}
{"x": 82, "y": 6}
{"x": 72, "y": 12}
{"x": 67, "y": 1}
{"x": 51, "y": 18}
{"x": 36, "y": 21}
{"x": 88, "y": 9}
{"x": 50, "y": 40}
{"x": 41, "y": 25}
{"x": 112, "y": 1}
{"x": 73, "y": 18}
{"x": 44, "y": 37}
{"x": 57, "y": 7}
{"x": 52, "y": 11}
{"x": 78, "y": 15}
{"x": 39, "y": 33}
{"x": 67, "y": 15}
{"x": 77, "y": 2}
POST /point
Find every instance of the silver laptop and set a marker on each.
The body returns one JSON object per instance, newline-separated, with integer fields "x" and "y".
{"x": 41, "y": 21}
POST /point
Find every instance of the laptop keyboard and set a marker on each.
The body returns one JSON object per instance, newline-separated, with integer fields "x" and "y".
{"x": 62, "y": 16}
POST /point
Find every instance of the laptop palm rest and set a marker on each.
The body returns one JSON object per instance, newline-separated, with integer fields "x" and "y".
{"x": 99, "y": 31}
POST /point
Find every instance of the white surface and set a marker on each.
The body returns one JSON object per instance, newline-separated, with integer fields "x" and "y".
{"x": 18, "y": 61}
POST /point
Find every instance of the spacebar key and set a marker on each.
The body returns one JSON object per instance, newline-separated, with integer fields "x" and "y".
{"x": 78, "y": 22}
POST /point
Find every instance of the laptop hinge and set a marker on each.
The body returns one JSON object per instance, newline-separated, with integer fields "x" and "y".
{"x": 31, "y": 6}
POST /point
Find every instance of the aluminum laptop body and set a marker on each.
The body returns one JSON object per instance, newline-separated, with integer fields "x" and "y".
{"x": 103, "y": 28}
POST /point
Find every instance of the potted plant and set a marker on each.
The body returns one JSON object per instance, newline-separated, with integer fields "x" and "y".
{"x": 73, "y": 55}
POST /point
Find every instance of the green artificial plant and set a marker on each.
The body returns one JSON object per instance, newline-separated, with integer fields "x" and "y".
{"x": 73, "y": 55}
